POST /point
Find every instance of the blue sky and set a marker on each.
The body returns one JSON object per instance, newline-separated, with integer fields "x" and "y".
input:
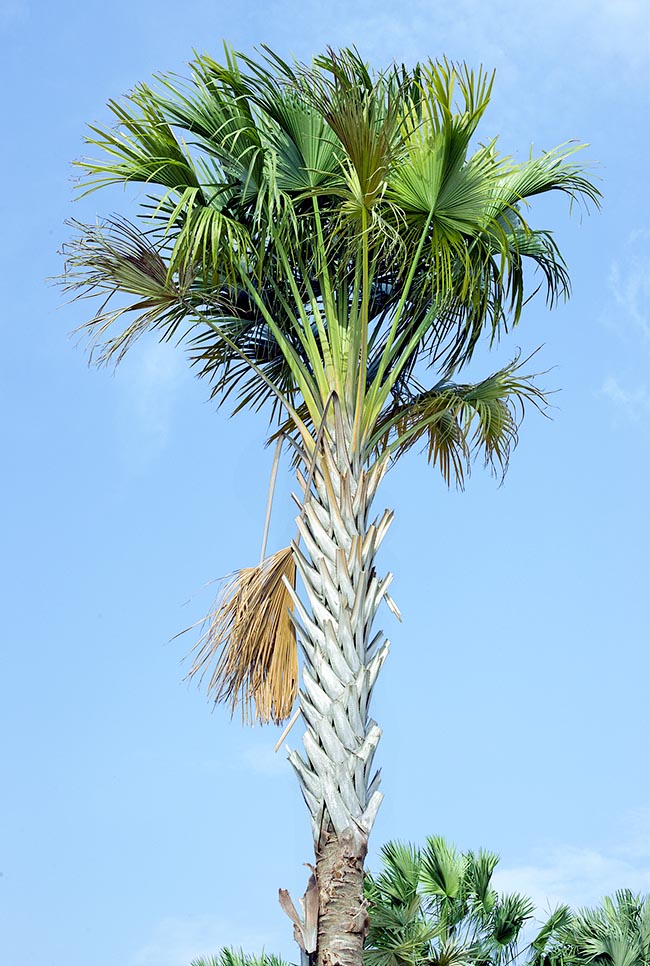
{"x": 138, "y": 828}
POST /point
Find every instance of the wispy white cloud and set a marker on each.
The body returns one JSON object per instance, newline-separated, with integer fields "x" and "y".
{"x": 634, "y": 404}
{"x": 263, "y": 760}
{"x": 629, "y": 283}
{"x": 590, "y": 31}
{"x": 583, "y": 876}
{"x": 257, "y": 758}
{"x": 628, "y": 315}
{"x": 577, "y": 876}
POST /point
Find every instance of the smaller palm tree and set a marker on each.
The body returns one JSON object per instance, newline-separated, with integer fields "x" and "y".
{"x": 438, "y": 906}
{"x": 617, "y": 933}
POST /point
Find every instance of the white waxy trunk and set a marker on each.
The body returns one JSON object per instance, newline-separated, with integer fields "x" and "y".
{"x": 342, "y": 656}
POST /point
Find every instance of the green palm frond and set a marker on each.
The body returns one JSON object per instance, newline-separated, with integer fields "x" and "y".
{"x": 400, "y": 876}
{"x": 458, "y": 422}
{"x": 443, "y": 869}
{"x": 546, "y": 947}
{"x": 451, "y": 952}
{"x": 142, "y": 149}
{"x": 551, "y": 171}
{"x": 224, "y": 125}
{"x": 361, "y": 112}
{"x": 508, "y": 917}
{"x": 398, "y": 936}
{"x": 479, "y": 873}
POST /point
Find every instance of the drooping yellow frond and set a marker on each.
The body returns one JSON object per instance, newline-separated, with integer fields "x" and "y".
{"x": 248, "y": 653}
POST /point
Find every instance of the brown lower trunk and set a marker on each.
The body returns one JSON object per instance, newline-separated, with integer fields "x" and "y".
{"x": 342, "y": 914}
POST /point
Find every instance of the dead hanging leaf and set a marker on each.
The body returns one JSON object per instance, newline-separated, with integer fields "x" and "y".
{"x": 249, "y": 646}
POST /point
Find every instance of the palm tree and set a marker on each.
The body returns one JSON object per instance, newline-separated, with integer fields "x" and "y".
{"x": 327, "y": 247}
{"x": 439, "y": 907}
{"x": 617, "y": 933}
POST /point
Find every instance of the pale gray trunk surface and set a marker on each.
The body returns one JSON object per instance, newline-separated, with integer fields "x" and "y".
{"x": 342, "y": 659}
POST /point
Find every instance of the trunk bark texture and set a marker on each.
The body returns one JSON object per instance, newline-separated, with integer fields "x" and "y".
{"x": 342, "y": 658}
{"x": 343, "y": 920}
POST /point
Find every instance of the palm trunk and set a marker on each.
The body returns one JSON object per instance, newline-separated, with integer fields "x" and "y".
{"x": 341, "y": 661}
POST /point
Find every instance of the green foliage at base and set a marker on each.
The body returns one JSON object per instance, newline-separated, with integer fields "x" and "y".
{"x": 436, "y": 906}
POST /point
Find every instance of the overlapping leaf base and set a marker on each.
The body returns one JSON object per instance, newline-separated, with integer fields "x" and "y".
{"x": 342, "y": 657}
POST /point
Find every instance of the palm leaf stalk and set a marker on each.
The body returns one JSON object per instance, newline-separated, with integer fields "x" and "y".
{"x": 328, "y": 247}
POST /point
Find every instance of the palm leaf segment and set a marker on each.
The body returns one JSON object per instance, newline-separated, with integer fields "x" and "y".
{"x": 326, "y": 243}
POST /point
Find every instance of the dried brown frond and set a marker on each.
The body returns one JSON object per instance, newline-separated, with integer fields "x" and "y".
{"x": 248, "y": 653}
